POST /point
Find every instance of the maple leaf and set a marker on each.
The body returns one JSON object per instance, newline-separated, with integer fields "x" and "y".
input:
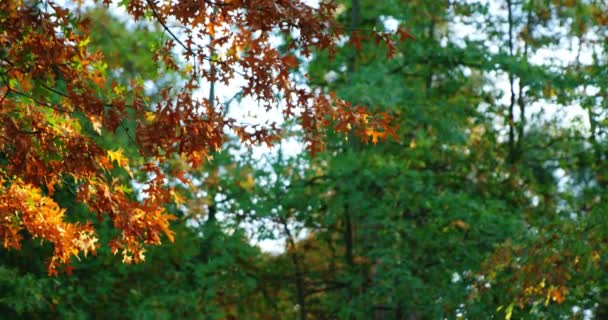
{"x": 375, "y": 134}
{"x": 290, "y": 61}
{"x": 117, "y": 156}
{"x": 86, "y": 242}
{"x": 177, "y": 198}
{"x": 404, "y": 34}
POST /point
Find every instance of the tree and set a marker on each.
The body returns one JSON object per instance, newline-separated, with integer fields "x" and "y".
{"x": 427, "y": 221}
{"x": 216, "y": 275}
{"x": 486, "y": 203}
{"x": 57, "y": 105}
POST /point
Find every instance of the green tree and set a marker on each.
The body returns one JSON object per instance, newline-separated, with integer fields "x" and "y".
{"x": 467, "y": 213}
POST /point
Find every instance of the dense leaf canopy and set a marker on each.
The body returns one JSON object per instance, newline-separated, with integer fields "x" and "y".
{"x": 58, "y": 105}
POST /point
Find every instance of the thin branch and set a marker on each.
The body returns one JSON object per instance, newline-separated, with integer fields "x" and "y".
{"x": 42, "y": 103}
{"x": 212, "y": 72}
{"x": 520, "y": 94}
{"x": 166, "y": 28}
{"x": 511, "y": 117}
{"x": 295, "y": 259}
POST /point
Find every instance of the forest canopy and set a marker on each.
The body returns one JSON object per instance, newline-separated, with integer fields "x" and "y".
{"x": 402, "y": 159}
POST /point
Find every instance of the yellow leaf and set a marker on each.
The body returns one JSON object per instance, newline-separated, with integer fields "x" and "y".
{"x": 188, "y": 68}
{"x": 96, "y": 122}
{"x": 150, "y": 116}
{"x": 549, "y": 292}
{"x": 248, "y": 183}
{"x": 364, "y": 118}
{"x": 123, "y": 188}
{"x": 118, "y": 157}
{"x": 84, "y": 43}
{"x": 177, "y": 198}
{"x": 413, "y": 144}
{"x": 118, "y": 89}
{"x": 141, "y": 255}
{"x": 509, "y": 311}
{"x": 233, "y": 51}
{"x": 548, "y": 92}
{"x": 128, "y": 169}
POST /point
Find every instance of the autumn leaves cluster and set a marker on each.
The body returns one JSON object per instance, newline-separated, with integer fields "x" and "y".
{"x": 57, "y": 104}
